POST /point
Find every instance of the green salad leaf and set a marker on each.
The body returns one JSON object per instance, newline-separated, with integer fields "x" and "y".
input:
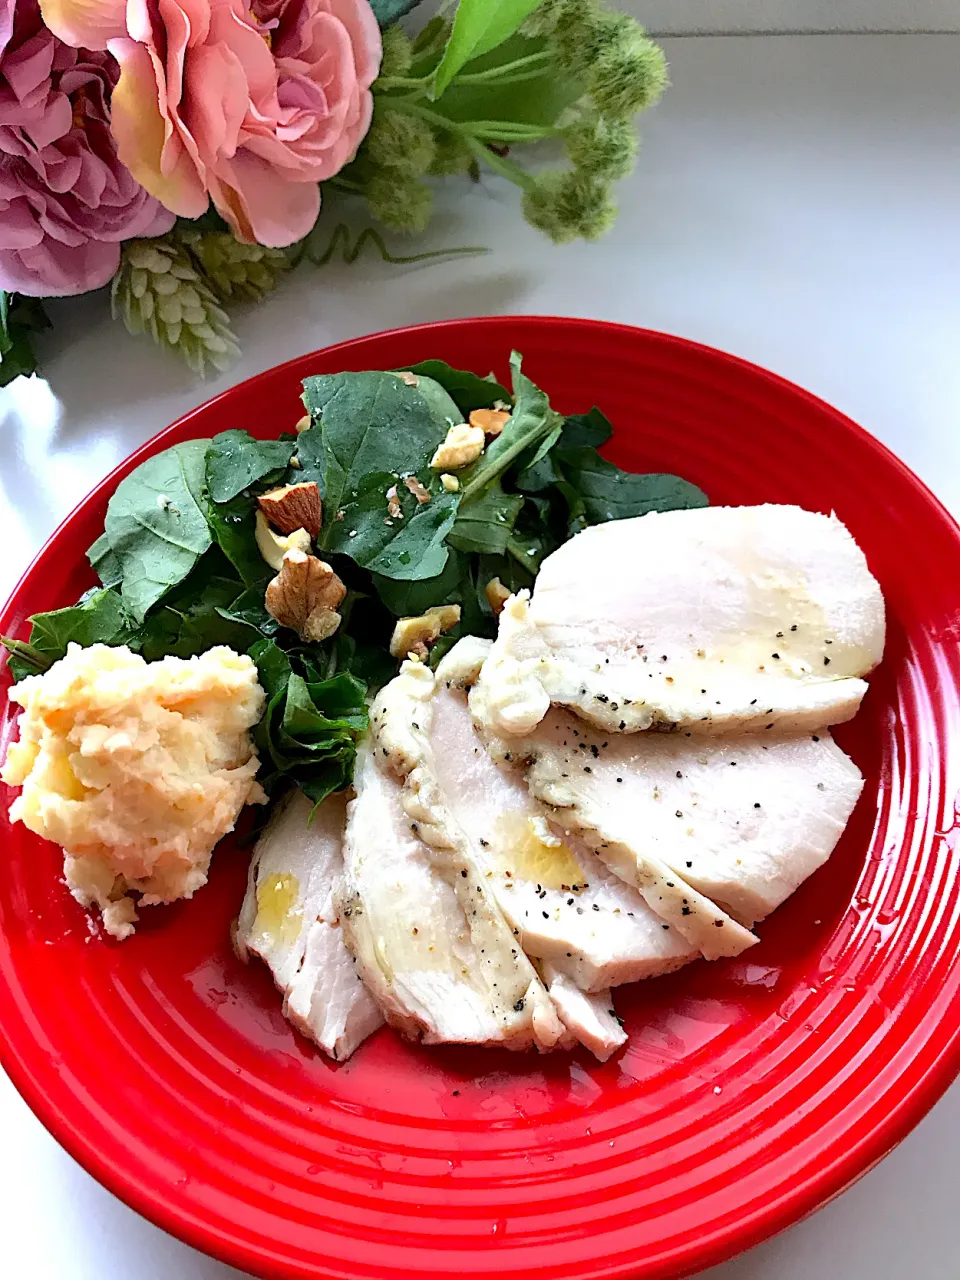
{"x": 370, "y": 432}
{"x": 533, "y": 427}
{"x": 235, "y": 461}
{"x": 99, "y": 618}
{"x": 611, "y": 494}
{"x": 308, "y": 734}
{"x": 156, "y": 526}
{"x": 465, "y": 389}
{"x": 104, "y": 563}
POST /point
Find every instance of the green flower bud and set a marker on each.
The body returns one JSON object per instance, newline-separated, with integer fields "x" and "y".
{"x": 583, "y": 28}
{"x": 398, "y": 200}
{"x": 451, "y": 156}
{"x": 398, "y": 141}
{"x": 566, "y": 203}
{"x": 397, "y": 52}
{"x": 628, "y": 74}
{"x": 543, "y": 21}
{"x": 602, "y": 147}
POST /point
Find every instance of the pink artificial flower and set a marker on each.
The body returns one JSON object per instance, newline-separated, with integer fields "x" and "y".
{"x": 66, "y": 201}
{"x": 249, "y": 108}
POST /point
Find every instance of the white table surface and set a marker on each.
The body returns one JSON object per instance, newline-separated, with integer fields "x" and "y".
{"x": 797, "y": 203}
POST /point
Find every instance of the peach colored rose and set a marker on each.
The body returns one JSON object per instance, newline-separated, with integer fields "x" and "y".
{"x": 248, "y": 108}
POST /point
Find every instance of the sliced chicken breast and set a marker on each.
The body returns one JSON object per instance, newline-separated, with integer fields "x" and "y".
{"x": 563, "y": 902}
{"x": 289, "y": 920}
{"x": 430, "y": 942}
{"x": 589, "y": 1018}
{"x": 717, "y": 619}
{"x": 741, "y": 821}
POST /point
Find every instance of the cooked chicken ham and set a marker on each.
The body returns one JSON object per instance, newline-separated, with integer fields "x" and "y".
{"x": 568, "y": 907}
{"x": 430, "y": 942}
{"x": 590, "y": 1019}
{"x": 289, "y": 920}
{"x": 717, "y": 619}
{"x": 742, "y": 821}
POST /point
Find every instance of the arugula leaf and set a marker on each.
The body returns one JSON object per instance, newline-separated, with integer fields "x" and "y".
{"x": 409, "y": 548}
{"x": 20, "y": 318}
{"x": 156, "y": 525}
{"x": 194, "y": 621}
{"x": 479, "y": 26}
{"x": 233, "y": 525}
{"x": 408, "y": 599}
{"x": 611, "y": 494}
{"x": 586, "y": 430}
{"x": 235, "y": 461}
{"x": 248, "y": 610}
{"x": 370, "y": 429}
{"x": 104, "y": 563}
{"x": 530, "y": 427}
{"x": 309, "y": 731}
{"x": 366, "y": 423}
{"x": 467, "y": 391}
{"x": 485, "y": 524}
{"x": 98, "y": 619}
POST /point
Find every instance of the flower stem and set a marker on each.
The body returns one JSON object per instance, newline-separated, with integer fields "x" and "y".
{"x": 504, "y": 72}
{"x": 340, "y": 240}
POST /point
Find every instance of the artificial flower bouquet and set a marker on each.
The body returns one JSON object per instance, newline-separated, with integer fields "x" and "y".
{"x": 177, "y": 150}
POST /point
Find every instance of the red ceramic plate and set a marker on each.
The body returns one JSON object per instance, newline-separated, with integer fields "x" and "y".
{"x": 750, "y": 1092}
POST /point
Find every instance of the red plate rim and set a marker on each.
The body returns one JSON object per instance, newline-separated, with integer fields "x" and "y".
{"x": 18, "y": 1045}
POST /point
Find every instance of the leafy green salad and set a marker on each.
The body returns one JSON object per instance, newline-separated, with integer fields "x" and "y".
{"x": 181, "y": 567}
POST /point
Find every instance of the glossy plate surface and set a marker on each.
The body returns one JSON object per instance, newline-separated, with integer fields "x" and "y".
{"x": 750, "y": 1091}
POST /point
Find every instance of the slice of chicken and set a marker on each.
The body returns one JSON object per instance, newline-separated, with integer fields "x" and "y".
{"x": 431, "y": 945}
{"x": 565, "y": 903}
{"x": 742, "y": 821}
{"x": 589, "y": 1018}
{"x": 289, "y": 920}
{"x": 717, "y": 619}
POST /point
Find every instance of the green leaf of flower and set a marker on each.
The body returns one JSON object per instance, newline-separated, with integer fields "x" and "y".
{"x": 479, "y": 26}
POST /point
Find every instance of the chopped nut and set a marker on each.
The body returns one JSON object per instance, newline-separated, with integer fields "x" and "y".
{"x": 304, "y": 596}
{"x": 294, "y": 506}
{"x": 412, "y": 637}
{"x": 393, "y": 503}
{"x": 295, "y": 463}
{"x": 490, "y": 421}
{"x": 302, "y": 424}
{"x": 273, "y": 547}
{"x": 463, "y": 444}
{"x": 409, "y": 378}
{"x": 421, "y": 494}
{"x": 497, "y": 594}
{"x": 450, "y": 483}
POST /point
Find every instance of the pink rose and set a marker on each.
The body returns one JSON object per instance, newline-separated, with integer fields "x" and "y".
{"x": 66, "y": 201}
{"x": 249, "y": 109}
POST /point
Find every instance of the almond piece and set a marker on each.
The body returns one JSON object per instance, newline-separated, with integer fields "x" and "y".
{"x": 421, "y": 494}
{"x": 294, "y": 506}
{"x": 497, "y": 594}
{"x": 490, "y": 421}
{"x": 304, "y": 596}
{"x": 414, "y": 636}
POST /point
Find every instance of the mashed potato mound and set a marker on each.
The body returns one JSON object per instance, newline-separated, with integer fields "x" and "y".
{"x": 136, "y": 768}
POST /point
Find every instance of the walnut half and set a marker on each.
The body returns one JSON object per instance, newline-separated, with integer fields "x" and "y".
{"x": 304, "y": 596}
